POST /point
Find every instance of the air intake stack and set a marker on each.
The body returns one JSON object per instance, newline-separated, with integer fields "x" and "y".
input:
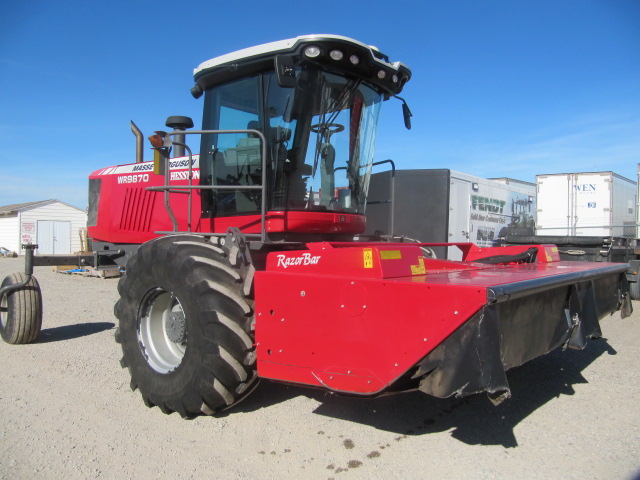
{"x": 179, "y": 124}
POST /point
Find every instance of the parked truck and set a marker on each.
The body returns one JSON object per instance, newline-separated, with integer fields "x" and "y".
{"x": 256, "y": 269}
{"x": 442, "y": 205}
{"x": 590, "y": 216}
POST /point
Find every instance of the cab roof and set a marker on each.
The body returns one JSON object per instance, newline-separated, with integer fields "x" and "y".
{"x": 356, "y": 58}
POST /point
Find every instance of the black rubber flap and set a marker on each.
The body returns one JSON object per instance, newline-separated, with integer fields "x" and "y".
{"x": 509, "y": 333}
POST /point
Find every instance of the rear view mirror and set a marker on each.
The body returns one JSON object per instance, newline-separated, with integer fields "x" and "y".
{"x": 285, "y": 71}
{"x": 407, "y": 115}
{"x": 405, "y": 112}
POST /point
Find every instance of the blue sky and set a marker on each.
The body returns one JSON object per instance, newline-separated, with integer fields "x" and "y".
{"x": 499, "y": 88}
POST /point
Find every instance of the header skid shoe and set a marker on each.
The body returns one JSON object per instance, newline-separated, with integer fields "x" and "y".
{"x": 364, "y": 319}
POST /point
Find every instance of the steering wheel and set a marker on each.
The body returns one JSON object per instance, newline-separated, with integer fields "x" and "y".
{"x": 327, "y": 129}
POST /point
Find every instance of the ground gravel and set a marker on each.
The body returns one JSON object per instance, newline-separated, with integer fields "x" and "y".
{"x": 67, "y": 412}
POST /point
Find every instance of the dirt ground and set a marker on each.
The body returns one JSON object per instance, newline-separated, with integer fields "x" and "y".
{"x": 67, "y": 412}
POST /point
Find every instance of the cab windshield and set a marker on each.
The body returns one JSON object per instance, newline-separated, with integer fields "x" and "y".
{"x": 320, "y": 143}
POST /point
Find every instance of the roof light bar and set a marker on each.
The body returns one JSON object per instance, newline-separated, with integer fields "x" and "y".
{"x": 341, "y": 54}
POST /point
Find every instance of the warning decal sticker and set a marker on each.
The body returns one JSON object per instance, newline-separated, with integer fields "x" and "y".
{"x": 367, "y": 254}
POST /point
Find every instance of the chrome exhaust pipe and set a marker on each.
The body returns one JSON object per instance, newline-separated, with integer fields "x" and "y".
{"x": 139, "y": 142}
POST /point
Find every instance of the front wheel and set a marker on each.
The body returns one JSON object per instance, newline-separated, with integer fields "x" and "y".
{"x": 185, "y": 326}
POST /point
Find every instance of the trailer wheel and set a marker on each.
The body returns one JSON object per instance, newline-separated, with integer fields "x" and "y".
{"x": 634, "y": 290}
{"x": 21, "y": 311}
{"x": 185, "y": 326}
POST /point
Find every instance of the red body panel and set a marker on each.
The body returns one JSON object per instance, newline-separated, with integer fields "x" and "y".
{"x": 132, "y": 213}
{"x": 129, "y": 213}
{"x": 354, "y": 318}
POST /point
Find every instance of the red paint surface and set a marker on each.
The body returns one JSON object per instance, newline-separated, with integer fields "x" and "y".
{"x": 132, "y": 214}
{"x": 328, "y": 317}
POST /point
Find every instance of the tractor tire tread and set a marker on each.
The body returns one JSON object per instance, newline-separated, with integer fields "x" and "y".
{"x": 219, "y": 364}
{"x": 22, "y": 320}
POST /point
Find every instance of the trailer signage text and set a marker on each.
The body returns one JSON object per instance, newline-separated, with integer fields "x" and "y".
{"x": 487, "y": 204}
{"x": 487, "y": 218}
{"x": 585, "y": 187}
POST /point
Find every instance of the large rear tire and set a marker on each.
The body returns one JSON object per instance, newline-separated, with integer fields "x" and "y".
{"x": 21, "y": 311}
{"x": 185, "y": 326}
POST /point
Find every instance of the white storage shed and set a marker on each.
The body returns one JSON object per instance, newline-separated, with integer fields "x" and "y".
{"x": 55, "y": 226}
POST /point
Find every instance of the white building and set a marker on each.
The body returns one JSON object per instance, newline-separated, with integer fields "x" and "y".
{"x": 53, "y": 225}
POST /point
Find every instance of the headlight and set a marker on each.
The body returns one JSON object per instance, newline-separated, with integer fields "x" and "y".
{"x": 336, "y": 55}
{"x": 312, "y": 51}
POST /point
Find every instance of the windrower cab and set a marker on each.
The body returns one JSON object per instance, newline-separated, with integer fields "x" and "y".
{"x": 286, "y": 147}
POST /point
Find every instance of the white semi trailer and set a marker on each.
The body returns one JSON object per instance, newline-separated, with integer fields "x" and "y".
{"x": 586, "y": 204}
{"x": 590, "y": 216}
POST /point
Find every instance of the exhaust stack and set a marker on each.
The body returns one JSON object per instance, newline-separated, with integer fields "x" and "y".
{"x": 139, "y": 142}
